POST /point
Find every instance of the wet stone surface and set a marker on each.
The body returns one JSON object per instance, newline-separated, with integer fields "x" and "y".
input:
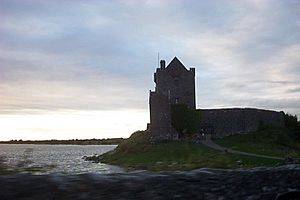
{"x": 257, "y": 183}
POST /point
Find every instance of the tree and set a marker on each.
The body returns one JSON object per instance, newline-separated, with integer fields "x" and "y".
{"x": 293, "y": 125}
{"x": 184, "y": 119}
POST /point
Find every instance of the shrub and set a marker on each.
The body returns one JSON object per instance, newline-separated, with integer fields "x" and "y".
{"x": 293, "y": 125}
{"x": 184, "y": 119}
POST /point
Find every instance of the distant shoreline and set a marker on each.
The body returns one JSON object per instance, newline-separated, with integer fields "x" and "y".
{"x": 110, "y": 141}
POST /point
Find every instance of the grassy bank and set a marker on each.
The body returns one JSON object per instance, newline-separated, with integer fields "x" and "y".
{"x": 136, "y": 152}
{"x": 272, "y": 142}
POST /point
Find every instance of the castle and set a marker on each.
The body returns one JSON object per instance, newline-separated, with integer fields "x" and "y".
{"x": 175, "y": 84}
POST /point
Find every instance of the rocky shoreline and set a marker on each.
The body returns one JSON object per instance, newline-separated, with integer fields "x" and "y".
{"x": 257, "y": 183}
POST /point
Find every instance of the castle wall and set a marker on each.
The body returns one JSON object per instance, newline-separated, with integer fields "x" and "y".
{"x": 160, "y": 117}
{"x": 177, "y": 83}
{"x": 239, "y": 120}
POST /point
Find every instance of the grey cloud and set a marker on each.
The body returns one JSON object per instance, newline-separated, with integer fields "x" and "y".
{"x": 269, "y": 30}
{"x": 294, "y": 90}
{"x": 281, "y": 82}
{"x": 233, "y": 44}
{"x": 290, "y": 105}
{"x": 99, "y": 94}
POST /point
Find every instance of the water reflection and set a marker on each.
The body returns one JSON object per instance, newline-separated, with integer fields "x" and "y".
{"x": 56, "y": 158}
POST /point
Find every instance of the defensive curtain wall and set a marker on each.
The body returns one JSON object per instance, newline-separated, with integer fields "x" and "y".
{"x": 175, "y": 84}
{"x": 222, "y": 122}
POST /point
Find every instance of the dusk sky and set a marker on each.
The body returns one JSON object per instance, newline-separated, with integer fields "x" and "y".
{"x": 84, "y": 68}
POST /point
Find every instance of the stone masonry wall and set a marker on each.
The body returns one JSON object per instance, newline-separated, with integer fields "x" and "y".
{"x": 174, "y": 85}
{"x": 239, "y": 120}
{"x": 177, "y": 83}
{"x": 160, "y": 116}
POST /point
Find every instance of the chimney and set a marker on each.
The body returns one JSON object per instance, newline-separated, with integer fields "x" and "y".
{"x": 192, "y": 69}
{"x": 162, "y": 64}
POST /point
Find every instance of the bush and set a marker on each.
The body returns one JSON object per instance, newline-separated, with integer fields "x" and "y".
{"x": 293, "y": 125}
{"x": 184, "y": 119}
{"x": 138, "y": 138}
{"x": 291, "y": 121}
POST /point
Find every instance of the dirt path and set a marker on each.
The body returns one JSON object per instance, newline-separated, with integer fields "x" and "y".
{"x": 208, "y": 142}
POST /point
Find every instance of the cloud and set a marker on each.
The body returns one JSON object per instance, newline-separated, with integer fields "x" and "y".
{"x": 294, "y": 90}
{"x": 101, "y": 54}
{"x": 79, "y": 89}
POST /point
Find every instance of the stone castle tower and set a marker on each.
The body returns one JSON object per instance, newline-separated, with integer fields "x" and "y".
{"x": 174, "y": 85}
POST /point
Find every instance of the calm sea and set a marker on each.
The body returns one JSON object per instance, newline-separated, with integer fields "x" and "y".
{"x": 57, "y": 158}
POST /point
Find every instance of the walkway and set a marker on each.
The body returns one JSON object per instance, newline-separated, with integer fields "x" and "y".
{"x": 208, "y": 142}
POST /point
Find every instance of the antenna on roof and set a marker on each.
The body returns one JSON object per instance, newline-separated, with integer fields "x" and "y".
{"x": 158, "y": 59}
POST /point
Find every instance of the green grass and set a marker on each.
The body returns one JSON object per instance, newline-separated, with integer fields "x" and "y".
{"x": 272, "y": 142}
{"x": 136, "y": 152}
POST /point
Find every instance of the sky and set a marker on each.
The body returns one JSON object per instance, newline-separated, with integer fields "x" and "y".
{"x": 83, "y": 68}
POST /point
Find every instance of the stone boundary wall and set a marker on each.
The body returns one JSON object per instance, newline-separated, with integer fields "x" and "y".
{"x": 229, "y": 121}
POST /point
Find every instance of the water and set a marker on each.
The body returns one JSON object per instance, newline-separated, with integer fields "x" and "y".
{"x": 57, "y": 158}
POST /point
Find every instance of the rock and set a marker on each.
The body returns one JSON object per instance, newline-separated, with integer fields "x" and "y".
{"x": 268, "y": 188}
{"x": 252, "y": 184}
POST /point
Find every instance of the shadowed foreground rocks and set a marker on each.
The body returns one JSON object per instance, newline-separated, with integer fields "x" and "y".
{"x": 257, "y": 183}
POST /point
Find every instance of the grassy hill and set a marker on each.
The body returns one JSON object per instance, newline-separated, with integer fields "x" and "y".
{"x": 272, "y": 142}
{"x": 136, "y": 152}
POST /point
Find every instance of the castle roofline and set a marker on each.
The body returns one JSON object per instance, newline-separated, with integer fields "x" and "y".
{"x": 176, "y": 63}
